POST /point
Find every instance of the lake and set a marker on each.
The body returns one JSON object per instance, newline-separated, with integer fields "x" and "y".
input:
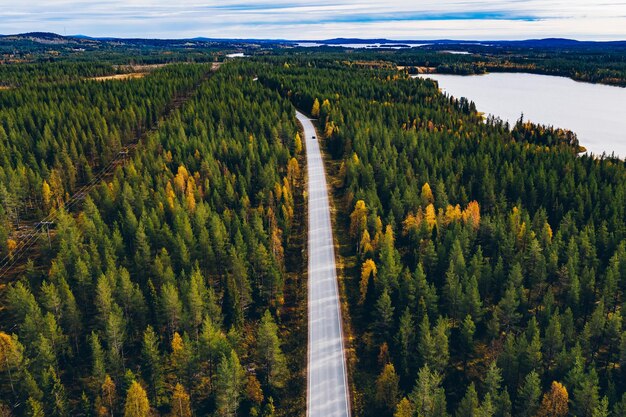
{"x": 362, "y": 45}
{"x": 595, "y": 112}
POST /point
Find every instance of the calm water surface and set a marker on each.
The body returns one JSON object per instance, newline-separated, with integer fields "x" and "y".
{"x": 596, "y": 112}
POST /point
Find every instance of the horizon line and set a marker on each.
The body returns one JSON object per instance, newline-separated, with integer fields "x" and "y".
{"x": 355, "y": 38}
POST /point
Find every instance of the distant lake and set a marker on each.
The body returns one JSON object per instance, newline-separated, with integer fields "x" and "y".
{"x": 362, "y": 45}
{"x": 455, "y": 52}
{"x": 595, "y": 112}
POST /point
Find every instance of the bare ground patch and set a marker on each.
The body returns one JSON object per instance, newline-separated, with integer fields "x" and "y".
{"x": 127, "y": 76}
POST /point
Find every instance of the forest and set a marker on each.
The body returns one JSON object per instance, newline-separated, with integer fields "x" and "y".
{"x": 162, "y": 290}
{"x": 484, "y": 264}
{"x": 489, "y": 262}
{"x": 603, "y": 63}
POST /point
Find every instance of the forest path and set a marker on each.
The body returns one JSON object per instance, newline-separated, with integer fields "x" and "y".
{"x": 327, "y": 386}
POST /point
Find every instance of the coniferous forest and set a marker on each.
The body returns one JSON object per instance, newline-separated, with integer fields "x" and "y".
{"x": 483, "y": 266}
{"x": 488, "y": 264}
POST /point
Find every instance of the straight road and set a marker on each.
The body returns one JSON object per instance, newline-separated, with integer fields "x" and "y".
{"x": 327, "y": 387}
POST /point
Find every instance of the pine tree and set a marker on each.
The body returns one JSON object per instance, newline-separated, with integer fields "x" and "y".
{"x": 586, "y": 395}
{"x": 389, "y": 267}
{"x": 116, "y": 337}
{"x": 432, "y": 344}
{"x": 493, "y": 380}
{"x": 104, "y": 300}
{"x": 232, "y": 308}
{"x": 271, "y": 358}
{"x": 152, "y": 365}
{"x": 473, "y": 304}
{"x": 453, "y": 292}
{"x": 142, "y": 251}
{"x": 34, "y": 408}
{"x": 171, "y": 307}
{"x": 428, "y": 396}
{"x": 468, "y": 407}
{"x": 528, "y": 395}
{"x": 507, "y": 308}
{"x": 55, "y": 394}
{"x": 229, "y": 385}
{"x": 426, "y": 345}
{"x": 602, "y": 409}
{"x": 196, "y": 300}
{"x": 384, "y": 314}
{"x": 468, "y": 328}
{"x": 553, "y": 339}
{"x": 241, "y": 281}
{"x": 98, "y": 369}
{"x": 406, "y": 340}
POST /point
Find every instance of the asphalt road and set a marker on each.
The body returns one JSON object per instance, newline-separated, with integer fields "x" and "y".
{"x": 327, "y": 387}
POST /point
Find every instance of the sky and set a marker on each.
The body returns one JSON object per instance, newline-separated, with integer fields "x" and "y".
{"x": 311, "y": 20}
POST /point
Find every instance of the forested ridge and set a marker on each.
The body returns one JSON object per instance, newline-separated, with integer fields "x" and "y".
{"x": 162, "y": 293}
{"x": 491, "y": 263}
{"x": 597, "y": 63}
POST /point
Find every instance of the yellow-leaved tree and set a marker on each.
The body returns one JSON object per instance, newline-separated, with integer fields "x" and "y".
{"x": 358, "y": 219}
{"x": 297, "y": 144}
{"x": 427, "y": 195}
{"x": 109, "y": 397}
{"x": 315, "y": 111}
{"x": 180, "y": 404}
{"x": 471, "y": 214}
{"x": 367, "y": 269}
{"x": 366, "y": 243}
{"x": 180, "y": 180}
{"x": 387, "y": 387}
{"x": 137, "y": 404}
{"x": 430, "y": 217}
{"x": 46, "y": 194}
{"x": 11, "y": 356}
{"x": 404, "y": 408}
{"x": 555, "y": 402}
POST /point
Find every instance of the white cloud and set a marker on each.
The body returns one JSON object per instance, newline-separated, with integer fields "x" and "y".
{"x": 298, "y": 19}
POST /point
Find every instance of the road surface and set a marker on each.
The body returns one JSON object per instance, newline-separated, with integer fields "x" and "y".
{"x": 327, "y": 387}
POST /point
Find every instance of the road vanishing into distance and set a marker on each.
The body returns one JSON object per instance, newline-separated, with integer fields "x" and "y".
{"x": 327, "y": 386}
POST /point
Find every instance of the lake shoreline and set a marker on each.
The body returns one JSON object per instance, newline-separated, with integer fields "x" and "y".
{"x": 591, "y": 110}
{"x": 433, "y": 70}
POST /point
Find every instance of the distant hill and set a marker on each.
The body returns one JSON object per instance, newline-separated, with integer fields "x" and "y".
{"x": 53, "y": 38}
{"x": 548, "y": 42}
{"x": 39, "y": 35}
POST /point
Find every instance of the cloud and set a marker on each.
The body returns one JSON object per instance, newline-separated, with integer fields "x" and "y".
{"x": 304, "y": 19}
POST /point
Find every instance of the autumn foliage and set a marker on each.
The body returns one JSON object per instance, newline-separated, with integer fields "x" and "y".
{"x": 555, "y": 402}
